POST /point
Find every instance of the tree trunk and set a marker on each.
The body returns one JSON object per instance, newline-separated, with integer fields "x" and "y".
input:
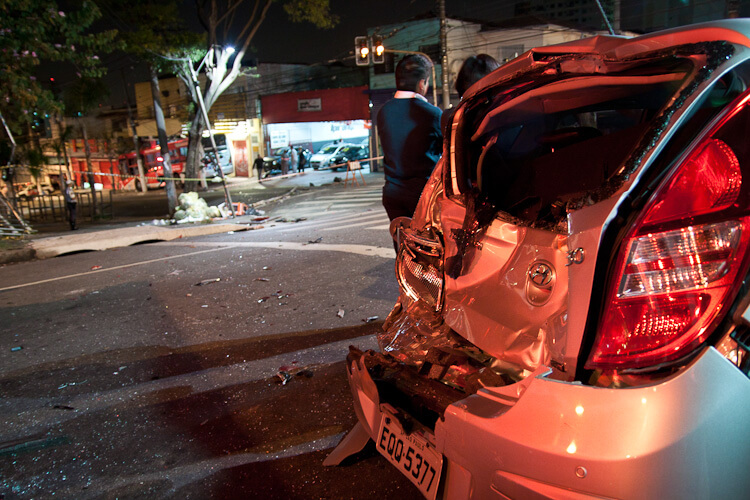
{"x": 89, "y": 167}
{"x": 64, "y": 143}
{"x": 163, "y": 142}
{"x": 193, "y": 166}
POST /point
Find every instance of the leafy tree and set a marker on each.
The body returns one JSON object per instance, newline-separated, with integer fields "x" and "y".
{"x": 33, "y": 32}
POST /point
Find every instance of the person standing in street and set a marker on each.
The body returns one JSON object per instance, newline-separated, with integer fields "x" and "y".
{"x": 409, "y": 130}
{"x": 295, "y": 159}
{"x": 473, "y": 69}
{"x": 71, "y": 204}
{"x": 285, "y": 162}
{"x": 258, "y": 165}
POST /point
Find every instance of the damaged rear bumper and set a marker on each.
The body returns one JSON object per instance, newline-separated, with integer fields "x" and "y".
{"x": 542, "y": 438}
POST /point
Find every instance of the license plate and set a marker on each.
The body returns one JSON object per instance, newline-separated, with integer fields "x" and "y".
{"x": 412, "y": 454}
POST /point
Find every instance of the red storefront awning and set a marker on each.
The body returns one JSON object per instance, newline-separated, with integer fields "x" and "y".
{"x": 350, "y": 103}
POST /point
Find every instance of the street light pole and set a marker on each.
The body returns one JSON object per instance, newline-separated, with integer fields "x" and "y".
{"x": 204, "y": 113}
{"x": 444, "y": 56}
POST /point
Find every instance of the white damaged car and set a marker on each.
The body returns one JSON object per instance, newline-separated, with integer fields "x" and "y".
{"x": 574, "y": 317}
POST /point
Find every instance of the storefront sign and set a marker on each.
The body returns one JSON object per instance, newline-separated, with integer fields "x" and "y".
{"x": 279, "y": 138}
{"x": 309, "y": 104}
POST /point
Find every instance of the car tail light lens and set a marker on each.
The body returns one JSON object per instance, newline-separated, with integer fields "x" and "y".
{"x": 419, "y": 269}
{"x": 681, "y": 261}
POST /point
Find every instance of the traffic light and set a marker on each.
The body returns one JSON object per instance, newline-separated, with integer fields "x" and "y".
{"x": 378, "y": 50}
{"x": 362, "y": 51}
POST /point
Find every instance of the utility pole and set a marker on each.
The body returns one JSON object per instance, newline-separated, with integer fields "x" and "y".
{"x": 444, "y": 56}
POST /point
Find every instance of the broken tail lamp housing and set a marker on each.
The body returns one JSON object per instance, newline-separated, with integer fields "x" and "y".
{"x": 419, "y": 268}
{"x": 682, "y": 261}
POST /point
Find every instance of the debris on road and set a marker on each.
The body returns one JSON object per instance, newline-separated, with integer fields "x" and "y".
{"x": 206, "y": 282}
{"x": 312, "y": 242}
{"x": 263, "y": 299}
{"x": 94, "y": 268}
{"x": 16, "y": 348}
{"x": 340, "y": 314}
{"x": 261, "y": 279}
{"x": 195, "y": 209}
{"x": 284, "y": 376}
{"x": 370, "y": 319}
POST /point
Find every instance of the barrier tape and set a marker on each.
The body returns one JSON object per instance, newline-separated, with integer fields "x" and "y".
{"x": 178, "y": 179}
{"x": 128, "y": 176}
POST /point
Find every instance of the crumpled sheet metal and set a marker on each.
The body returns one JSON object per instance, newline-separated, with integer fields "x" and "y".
{"x": 417, "y": 336}
{"x": 411, "y": 329}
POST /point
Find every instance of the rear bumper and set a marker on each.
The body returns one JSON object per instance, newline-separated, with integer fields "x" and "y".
{"x": 686, "y": 437}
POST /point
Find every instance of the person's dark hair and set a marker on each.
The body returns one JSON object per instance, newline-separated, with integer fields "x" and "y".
{"x": 411, "y": 69}
{"x": 472, "y": 70}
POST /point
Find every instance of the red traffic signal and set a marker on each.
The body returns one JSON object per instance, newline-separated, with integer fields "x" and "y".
{"x": 378, "y": 50}
{"x": 362, "y": 50}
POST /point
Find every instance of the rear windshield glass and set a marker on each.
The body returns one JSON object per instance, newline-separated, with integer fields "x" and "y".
{"x": 549, "y": 139}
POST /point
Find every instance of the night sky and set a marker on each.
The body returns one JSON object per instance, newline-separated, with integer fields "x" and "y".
{"x": 280, "y": 40}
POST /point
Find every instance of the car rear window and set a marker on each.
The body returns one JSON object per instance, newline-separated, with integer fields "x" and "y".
{"x": 531, "y": 147}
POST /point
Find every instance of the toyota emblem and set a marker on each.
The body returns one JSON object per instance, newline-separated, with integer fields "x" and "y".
{"x": 541, "y": 275}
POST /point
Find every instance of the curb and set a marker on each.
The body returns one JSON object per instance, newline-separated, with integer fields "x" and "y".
{"x": 17, "y": 255}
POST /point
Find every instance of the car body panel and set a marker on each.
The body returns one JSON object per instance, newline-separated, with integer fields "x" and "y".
{"x": 544, "y": 438}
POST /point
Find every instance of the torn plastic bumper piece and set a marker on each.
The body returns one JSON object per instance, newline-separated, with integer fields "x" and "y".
{"x": 542, "y": 438}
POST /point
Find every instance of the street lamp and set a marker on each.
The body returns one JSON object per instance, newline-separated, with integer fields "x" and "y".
{"x": 204, "y": 113}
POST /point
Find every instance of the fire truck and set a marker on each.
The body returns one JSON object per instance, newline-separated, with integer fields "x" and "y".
{"x": 153, "y": 164}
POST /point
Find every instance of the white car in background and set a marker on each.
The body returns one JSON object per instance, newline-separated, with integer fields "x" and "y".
{"x": 323, "y": 158}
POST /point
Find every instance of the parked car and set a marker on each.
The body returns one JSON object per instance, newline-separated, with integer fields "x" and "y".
{"x": 327, "y": 156}
{"x": 30, "y": 189}
{"x": 345, "y": 154}
{"x": 574, "y": 315}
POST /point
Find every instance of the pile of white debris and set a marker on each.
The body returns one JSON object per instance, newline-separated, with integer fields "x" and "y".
{"x": 195, "y": 209}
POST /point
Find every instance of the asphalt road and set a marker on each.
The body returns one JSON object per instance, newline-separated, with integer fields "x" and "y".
{"x": 152, "y": 371}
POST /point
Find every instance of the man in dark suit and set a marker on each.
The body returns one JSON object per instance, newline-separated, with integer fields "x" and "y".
{"x": 409, "y": 130}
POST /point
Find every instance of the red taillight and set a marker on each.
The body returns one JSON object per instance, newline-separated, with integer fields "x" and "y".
{"x": 672, "y": 280}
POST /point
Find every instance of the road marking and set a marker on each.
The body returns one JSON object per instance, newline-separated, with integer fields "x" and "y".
{"x": 342, "y": 199}
{"x": 371, "y": 218}
{"x": 347, "y": 226}
{"x": 41, "y": 282}
{"x": 334, "y": 204}
{"x": 366, "y": 250}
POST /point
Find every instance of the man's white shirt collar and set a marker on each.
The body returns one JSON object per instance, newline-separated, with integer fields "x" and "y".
{"x": 406, "y": 94}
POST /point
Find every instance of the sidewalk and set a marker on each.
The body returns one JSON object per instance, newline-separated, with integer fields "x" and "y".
{"x": 56, "y": 239}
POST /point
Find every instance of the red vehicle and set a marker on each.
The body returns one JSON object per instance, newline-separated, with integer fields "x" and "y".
{"x": 153, "y": 163}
